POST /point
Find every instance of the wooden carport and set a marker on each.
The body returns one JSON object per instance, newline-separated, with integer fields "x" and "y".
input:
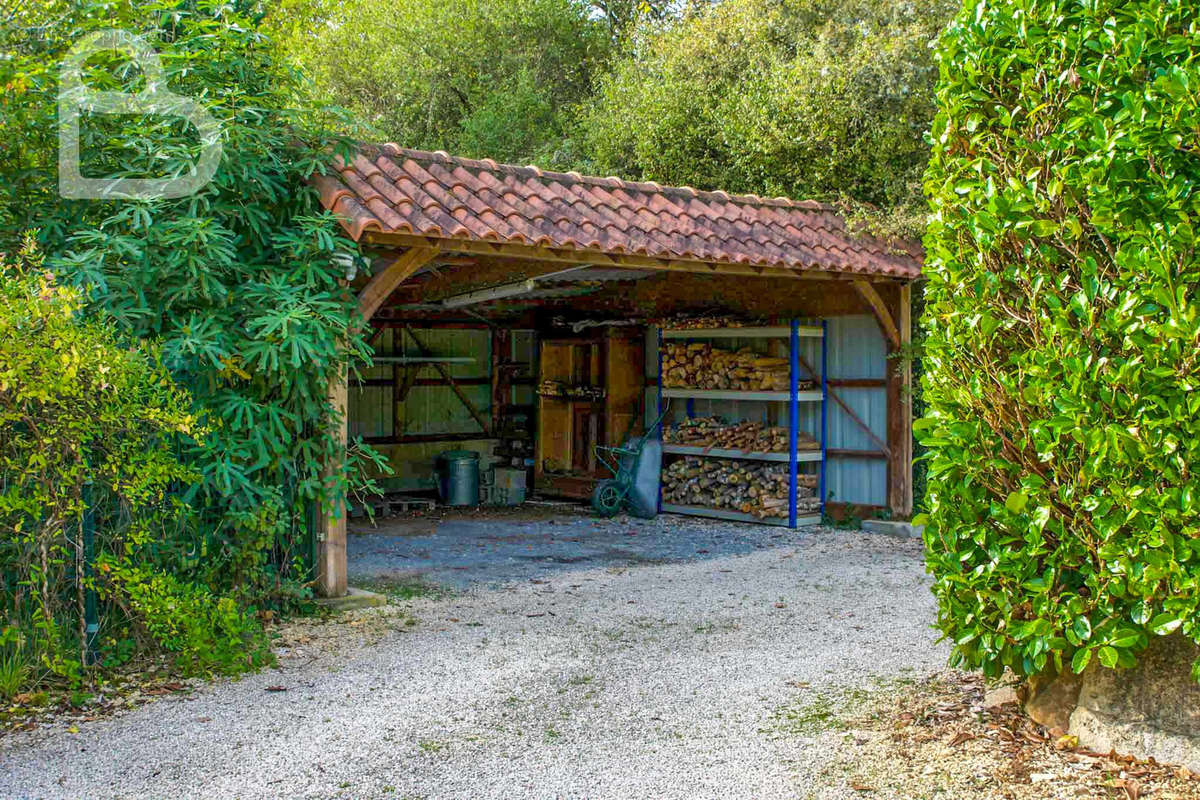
{"x": 431, "y": 222}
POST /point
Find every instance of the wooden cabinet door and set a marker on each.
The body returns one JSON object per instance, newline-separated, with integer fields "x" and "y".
{"x": 624, "y": 368}
{"x": 554, "y": 440}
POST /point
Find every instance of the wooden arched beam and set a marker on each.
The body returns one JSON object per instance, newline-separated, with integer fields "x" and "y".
{"x": 881, "y": 312}
{"x": 385, "y": 281}
{"x": 331, "y": 534}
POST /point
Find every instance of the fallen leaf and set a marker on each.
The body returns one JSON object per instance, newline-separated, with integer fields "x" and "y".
{"x": 960, "y": 737}
{"x": 1066, "y": 742}
{"x": 861, "y": 787}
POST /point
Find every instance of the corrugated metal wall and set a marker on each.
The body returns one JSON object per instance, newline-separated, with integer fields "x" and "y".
{"x": 427, "y": 409}
{"x": 431, "y": 410}
{"x": 856, "y": 350}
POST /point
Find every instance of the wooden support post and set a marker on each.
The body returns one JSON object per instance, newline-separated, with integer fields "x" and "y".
{"x": 906, "y": 409}
{"x": 500, "y": 349}
{"x": 331, "y": 528}
{"x": 899, "y": 410}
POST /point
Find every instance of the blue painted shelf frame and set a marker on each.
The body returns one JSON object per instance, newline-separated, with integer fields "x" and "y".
{"x": 792, "y": 333}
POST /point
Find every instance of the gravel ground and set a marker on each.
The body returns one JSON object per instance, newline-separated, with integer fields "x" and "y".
{"x": 599, "y": 677}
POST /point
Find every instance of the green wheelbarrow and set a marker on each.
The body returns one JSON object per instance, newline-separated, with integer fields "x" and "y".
{"x": 635, "y": 466}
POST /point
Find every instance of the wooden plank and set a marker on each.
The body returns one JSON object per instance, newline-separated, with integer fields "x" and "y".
{"x": 425, "y": 438}
{"x": 847, "y": 453}
{"x": 779, "y": 332}
{"x": 807, "y": 396}
{"x": 385, "y": 281}
{"x": 716, "y": 452}
{"x": 879, "y": 308}
{"x": 380, "y": 382}
{"x": 484, "y": 424}
{"x": 599, "y": 257}
{"x": 384, "y": 319}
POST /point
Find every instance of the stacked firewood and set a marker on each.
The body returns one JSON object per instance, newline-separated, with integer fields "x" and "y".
{"x": 699, "y": 365}
{"x": 565, "y": 391}
{"x": 760, "y": 489}
{"x": 703, "y": 322}
{"x": 751, "y": 437}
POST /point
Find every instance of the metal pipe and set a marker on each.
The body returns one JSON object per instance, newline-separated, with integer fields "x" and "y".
{"x": 793, "y": 419}
{"x": 91, "y": 617}
{"x": 487, "y": 295}
{"x": 659, "y": 337}
{"x": 824, "y": 408}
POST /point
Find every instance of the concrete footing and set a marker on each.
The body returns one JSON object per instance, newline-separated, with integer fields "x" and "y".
{"x": 353, "y": 598}
{"x": 893, "y": 528}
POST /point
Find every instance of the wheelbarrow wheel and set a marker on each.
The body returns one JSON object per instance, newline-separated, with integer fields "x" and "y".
{"x": 607, "y": 498}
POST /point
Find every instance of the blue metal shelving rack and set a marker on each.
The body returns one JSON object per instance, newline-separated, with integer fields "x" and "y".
{"x": 793, "y": 333}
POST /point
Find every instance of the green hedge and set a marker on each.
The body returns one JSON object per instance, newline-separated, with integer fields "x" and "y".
{"x": 1063, "y": 332}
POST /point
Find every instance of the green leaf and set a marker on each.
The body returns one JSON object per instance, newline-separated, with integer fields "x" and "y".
{"x": 1044, "y": 227}
{"x": 1016, "y": 502}
{"x": 1080, "y": 660}
{"x": 1164, "y": 624}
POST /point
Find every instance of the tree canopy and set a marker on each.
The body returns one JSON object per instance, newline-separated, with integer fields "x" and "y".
{"x": 481, "y": 78}
{"x": 822, "y": 100}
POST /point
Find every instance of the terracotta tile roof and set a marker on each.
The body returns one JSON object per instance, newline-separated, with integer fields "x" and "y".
{"x": 392, "y": 190}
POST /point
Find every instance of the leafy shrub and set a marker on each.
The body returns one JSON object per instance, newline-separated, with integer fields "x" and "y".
{"x": 235, "y": 282}
{"x": 87, "y": 421}
{"x": 84, "y": 419}
{"x": 14, "y": 673}
{"x": 1063, "y": 332}
{"x": 203, "y": 633}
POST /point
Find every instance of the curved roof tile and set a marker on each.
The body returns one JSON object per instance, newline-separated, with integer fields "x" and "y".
{"x": 391, "y": 189}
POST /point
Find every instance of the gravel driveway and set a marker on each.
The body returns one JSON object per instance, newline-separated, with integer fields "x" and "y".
{"x": 578, "y": 678}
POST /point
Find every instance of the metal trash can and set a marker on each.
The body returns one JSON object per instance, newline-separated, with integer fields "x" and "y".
{"x": 458, "y": 477}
